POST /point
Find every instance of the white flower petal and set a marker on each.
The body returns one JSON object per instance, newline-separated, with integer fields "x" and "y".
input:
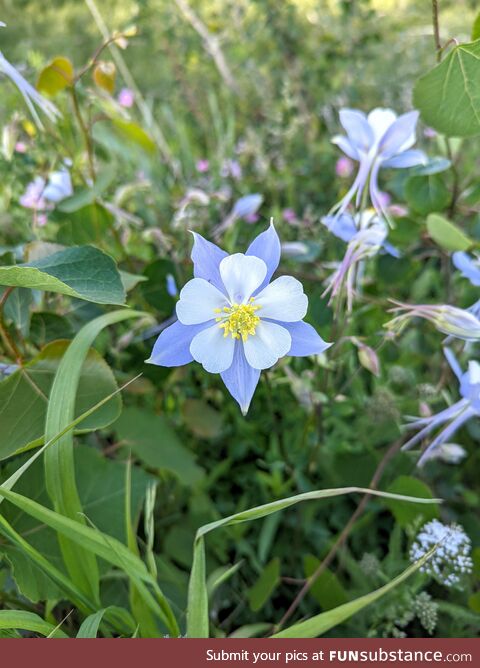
{"x": 267, "y": 345}
{"x": 242, "y": 275}
{"x": 198, "y": 301}
{"x": 283, "y": 299}
{"x": 213, "y": 350}
{"x": 380, "y": 120}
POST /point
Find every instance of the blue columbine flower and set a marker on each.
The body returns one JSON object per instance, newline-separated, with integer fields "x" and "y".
{"x": 455, "y": 322}
{"x": 378, "y": 140}
{"x": 456, "y": 415}
{"x": 233, "y": 321}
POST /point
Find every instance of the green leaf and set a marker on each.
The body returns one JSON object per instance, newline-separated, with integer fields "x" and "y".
{"x": 197, "y": 611}
{"x": 446, "y": 234}
{"x": 476, "y": 28}
{"x": 154, "y": 442}
{"x": 425, "y": 194}
{"x": 320, "y": 624}
{"x": 405, "y": 514}
{"x": 78, "y": 202}
{"x": 264, "y": 587}
{"x": 83, "y": 272}
{"x": 86, "y": 225}
{"x": 448, "y": 96}
{"x": 132, "y": 132}
{"x": 17, "y": 309}
{"x": 90, "y": 625}
{"x": 201, "y": 419}
{"x": 59, "y": 460}
{"x": 327, "y": 588}
{"x": 28, "y": 621}
{"x": 24, "y": 394}
{"x": 104, "y": 546}
{"x": 56, "y": 76}
{"x": 251, "y": 630}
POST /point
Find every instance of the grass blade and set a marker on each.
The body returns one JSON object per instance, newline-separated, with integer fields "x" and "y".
{"x": 28, "y": 621}
{"x": 197, "y": 613}
{"x": 59, "y": 463}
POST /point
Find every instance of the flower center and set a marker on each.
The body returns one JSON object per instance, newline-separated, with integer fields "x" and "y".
{"x": 238, "y": 320}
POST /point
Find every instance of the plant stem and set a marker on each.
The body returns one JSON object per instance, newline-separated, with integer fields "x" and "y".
{"x": 85, "y": 132}
{"x": 342, "y": 538}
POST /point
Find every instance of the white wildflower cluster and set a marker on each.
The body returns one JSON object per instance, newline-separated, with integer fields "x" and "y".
{"x": 426, "y": 610}
{"x": 451, "y": 561}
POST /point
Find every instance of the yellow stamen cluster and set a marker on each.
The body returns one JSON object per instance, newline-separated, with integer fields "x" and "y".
{"x": 238, "y": 320}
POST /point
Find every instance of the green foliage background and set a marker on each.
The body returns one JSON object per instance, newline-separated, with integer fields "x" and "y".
{"x": 175, "y": 453}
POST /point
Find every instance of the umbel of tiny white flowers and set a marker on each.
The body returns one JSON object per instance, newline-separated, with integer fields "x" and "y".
{"x": 451, "y": 561}
{"x": 451, "y": 320}
{"x": 31, "y": 96}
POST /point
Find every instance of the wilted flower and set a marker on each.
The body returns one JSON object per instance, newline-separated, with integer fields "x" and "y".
{"x": 455, "y": 415}
{"x": 202, "y": 166}
{"x": 31, "y": 96}
{"x": 344, "y": 167}
{"x": 451, "y": 320}
{"x": 231, "y": 168}
{"x": 365, "y": 235}
{"x": 450, "y": 453}
{"x": 379, "y": 140}
{"x": 126, "y": 98}
{"x": 451, "y": 561}
{"x": 233, "y": 321}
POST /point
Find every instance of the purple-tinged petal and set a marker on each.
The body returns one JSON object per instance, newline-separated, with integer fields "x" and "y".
{"x": 305, "y": 340}
{"x": 266, "y": 246}
{"x": 400, "y": 135}
{"x": 391, "y": 250}
{"x": 446, "y": 434}
{"x": 432, "y": 423}
{"x": 343, "y": 226}
{"x": 241, "y": 379}
{"x": 206, "y": 258}
{"x": 409, "y": 158}
{"x": 357, "y": 186}
{"x": 468, "y": 267}
{"x": 359, "y": 132}
{"x": 453, "y": 362}
{"x": 345, "y": 146}
{"x": 172, "y": 348}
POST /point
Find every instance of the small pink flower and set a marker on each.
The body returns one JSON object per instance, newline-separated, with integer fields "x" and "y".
{"x": 42, "y": 219}
{"x": 21, "y": 147}
{"x": 251, "y": 218}
{"x": 430, "y": 133}
{"x": 384, "y": 199}
{"x": 289, "y": 215}
{"x": 344, "y": 167}
{"x": 32, "y": 198}
{"x": 126, "y": 98}
{"x": 202, "y": 166}
{"x": 398, "y": 211}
